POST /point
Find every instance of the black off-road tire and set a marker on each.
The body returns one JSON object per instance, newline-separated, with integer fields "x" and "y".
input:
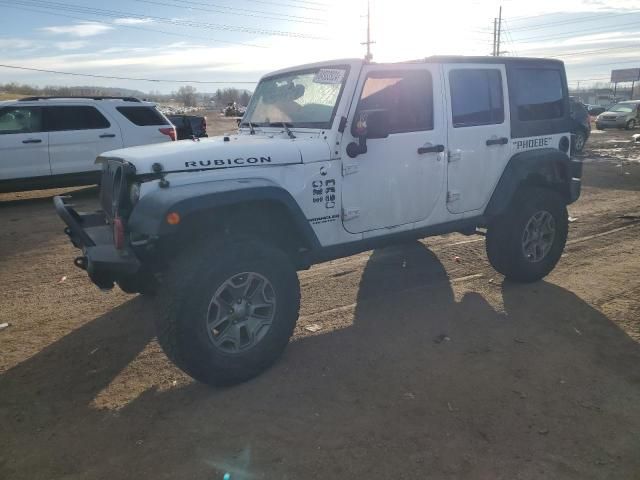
{"x": 579, "y": 141}
{"x": 505, "y": 234}
{"x": 184, "y": 296}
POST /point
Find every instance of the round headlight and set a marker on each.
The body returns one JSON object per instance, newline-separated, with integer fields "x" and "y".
{"x": 134, "y": 193}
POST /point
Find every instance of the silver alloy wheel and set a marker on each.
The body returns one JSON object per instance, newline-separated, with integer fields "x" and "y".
{"x": 538, "y": 236}
{"x": 241, "y": 312}
{"x": 579, "y": 143}
{"x": 631, "y": 124}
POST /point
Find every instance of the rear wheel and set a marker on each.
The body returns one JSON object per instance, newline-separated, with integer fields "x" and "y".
{"x": 579, "y": 140}
{"x": 526, "y": 242}
{"x": 228, "y": 314}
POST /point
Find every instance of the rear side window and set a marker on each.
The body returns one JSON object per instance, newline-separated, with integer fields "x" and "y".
{"x": 143, "y": 116}
{"x": 539, "y": 94}
{"x": 74, "y": 118}
{"x": 406, "y": 96}
{"x": 20, "y": 120}
{"x": 476, "y": 97}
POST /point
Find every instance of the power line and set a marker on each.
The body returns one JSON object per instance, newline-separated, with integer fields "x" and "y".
{"x": 112, "y": 77}
{"x": 585, "y": 52}
{"x": 574, "y": 20}
{"x": 302, "y": 7}
{"x": 134, "y": 27}
{"x": 236, "y": 11}
{"x": 179, "y": 22}
{"x": 571, "y": 33}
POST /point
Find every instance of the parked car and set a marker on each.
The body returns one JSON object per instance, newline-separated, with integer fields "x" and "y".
{"x": 189, "y": 126}
{"x": 50, "y": 142}
{"x": 621, "y": 115}
{"x": 331, "y": 159}
{"x": 595, "y": 110}
{"x": 581, "y": 124}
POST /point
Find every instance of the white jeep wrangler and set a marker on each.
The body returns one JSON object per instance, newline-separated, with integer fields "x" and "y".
{"x": 330, "y": 159}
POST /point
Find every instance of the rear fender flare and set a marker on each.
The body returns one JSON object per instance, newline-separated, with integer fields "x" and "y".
{"x": 545, "y": 167}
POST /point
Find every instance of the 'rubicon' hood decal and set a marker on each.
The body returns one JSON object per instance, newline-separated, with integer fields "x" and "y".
{"x": 213, "y": 153}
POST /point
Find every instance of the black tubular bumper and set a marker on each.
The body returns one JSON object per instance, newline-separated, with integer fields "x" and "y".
{"x": 90, "y": 233}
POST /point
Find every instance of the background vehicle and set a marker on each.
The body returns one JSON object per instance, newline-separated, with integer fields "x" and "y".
{"x": 189, "y": 126}
{"x": 581, "y": 128}
{"x": 234, "y": 110}
{"x": 621, "y": 115}
{"x": 332, "y": 159}
{"x": 53, "y": 142}
{"x": 595, "y": 110}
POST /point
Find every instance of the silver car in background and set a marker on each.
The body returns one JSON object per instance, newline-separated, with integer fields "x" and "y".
{"x": 621, "y": 115}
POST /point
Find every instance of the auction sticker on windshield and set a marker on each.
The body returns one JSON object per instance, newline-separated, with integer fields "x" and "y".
{"x": 330, "y": 76}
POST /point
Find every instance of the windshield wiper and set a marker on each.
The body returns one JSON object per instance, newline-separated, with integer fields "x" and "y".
{"x": 285, "y": 125}
{"x": 252, "y": 130}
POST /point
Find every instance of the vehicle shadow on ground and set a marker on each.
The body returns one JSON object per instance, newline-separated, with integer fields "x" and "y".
{"x": 428, "y": 378}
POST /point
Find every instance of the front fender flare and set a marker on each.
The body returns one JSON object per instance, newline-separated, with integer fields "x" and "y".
{"x": 149, "y": 215}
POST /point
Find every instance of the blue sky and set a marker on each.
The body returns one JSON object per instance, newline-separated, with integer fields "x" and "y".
{"x": 239, "y": 40}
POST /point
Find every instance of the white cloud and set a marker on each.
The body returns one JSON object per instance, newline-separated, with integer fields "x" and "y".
{"x": 75, "y": 45}
{"x": 132, "y": 21}
{"x": 86, "y": 29}
{"x": 16, "y": 43}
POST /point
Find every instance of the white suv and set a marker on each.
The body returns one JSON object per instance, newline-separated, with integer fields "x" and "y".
{"x": 53, "y": 142}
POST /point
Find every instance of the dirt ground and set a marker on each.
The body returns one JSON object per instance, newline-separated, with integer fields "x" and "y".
{"x": 422, "y": 367}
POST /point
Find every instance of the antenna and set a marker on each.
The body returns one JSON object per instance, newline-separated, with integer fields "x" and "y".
{"x": 369, "y": 56}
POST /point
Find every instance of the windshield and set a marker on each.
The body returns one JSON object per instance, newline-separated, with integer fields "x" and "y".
{"x": 300, "y": 99}
{"x": 622, "y": 107}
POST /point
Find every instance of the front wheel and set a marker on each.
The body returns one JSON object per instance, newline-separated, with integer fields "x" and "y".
{"x": 526, "y": 242}
{"x": 230, "y": 310}
{"x": 631, "y": 124}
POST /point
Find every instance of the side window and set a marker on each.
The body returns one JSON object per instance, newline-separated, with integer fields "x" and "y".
{"x": 476, "y": 97}
{"x": 538, "y": 94}
{"x": 63, "y": 118}
{"x": 20, "y": 120}
{"x": 406, "y": 96}
{"x": 142, "y": 116}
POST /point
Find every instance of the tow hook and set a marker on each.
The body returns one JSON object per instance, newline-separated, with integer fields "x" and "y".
{"x": 80, "y": 262}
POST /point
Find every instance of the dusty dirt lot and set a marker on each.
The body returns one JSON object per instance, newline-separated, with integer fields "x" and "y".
{"x": 534, "y": 381}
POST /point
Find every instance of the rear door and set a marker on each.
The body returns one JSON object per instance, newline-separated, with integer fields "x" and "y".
{"x": 24, "y": 147}
{"x": 77, "y": 135}
{"x": 478, "y": 133}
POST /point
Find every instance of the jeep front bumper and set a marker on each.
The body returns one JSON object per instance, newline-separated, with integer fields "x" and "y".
{"x": 91, "y": 233}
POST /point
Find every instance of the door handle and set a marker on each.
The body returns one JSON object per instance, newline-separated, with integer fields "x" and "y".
{"x": 32, "y": 140}
{"x": 497, "y": 141}
{"x": 108, "y": 135}
{"x": 431, "y": 149}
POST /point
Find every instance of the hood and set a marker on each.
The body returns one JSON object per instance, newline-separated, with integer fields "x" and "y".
{"x": 615, "y": 114}
{"x": 214, "y": 153}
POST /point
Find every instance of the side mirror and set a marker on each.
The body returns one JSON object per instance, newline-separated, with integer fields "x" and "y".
{"x": 368, "y": 124}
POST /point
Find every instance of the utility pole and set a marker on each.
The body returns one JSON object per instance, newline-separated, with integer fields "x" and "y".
{"x": 369, "y": 56}
{"x": 499, "y": 32}
{"x": 495, "y": 30}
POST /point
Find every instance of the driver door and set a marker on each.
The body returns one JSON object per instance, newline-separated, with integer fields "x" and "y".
{"x": 400, "y": 178}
